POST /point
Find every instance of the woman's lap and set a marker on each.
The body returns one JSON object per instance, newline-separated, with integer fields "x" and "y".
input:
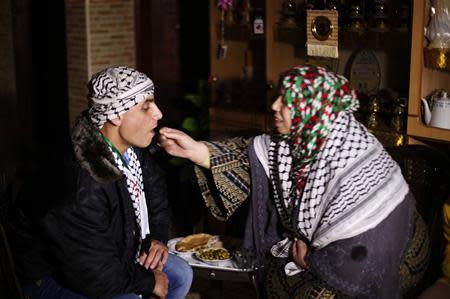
{"x": 304, "y": 285}
{"x": 307, "y": 285}
{"x": 415, "y": 261}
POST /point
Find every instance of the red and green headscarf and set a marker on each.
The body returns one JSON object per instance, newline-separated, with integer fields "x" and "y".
{"x": 315, "y": 97}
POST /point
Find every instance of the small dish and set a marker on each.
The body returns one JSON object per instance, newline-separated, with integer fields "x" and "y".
{"x": 213, "y": 256}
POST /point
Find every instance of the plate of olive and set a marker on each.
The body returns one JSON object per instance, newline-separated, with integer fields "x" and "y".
{"x": 213, "y": 256}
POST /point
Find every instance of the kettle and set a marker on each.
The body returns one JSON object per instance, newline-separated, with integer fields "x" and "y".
{"x": 439, "y": 115}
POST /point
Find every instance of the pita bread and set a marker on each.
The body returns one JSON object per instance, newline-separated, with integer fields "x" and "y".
{"x": 194, "y": 242}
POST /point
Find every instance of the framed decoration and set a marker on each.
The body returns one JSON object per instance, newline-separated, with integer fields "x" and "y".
{"x": 363, "y": 71}
{"x": 322, "y": 33}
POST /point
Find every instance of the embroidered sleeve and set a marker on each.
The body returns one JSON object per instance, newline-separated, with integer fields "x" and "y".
{"x": 446, "y": 228}
{"x": 227, "y": 184}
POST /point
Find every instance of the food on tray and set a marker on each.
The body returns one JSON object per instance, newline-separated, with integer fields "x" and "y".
{"x": 194, "y": 242}
{"x": 214, "y": 254}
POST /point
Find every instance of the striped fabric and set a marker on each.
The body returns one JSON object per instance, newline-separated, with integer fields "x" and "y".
{"x": 132, "y": 172}
{"x": 113, "y": 91}
{"x": 352, "y": 186}
{"x": 231, "y": 170}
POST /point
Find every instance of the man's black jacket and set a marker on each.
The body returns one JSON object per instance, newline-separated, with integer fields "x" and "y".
{"x": 76, "y": 221}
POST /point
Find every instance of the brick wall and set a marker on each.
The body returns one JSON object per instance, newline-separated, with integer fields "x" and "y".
{"x": 100, "y": 33}
{"x": 77, "y": 56}
{"x": 111, "y": 33}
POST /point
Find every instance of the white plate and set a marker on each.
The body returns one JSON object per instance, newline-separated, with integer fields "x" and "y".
{"x": 172, "y": 242}
{"x": 171, "y": 245}
{"x": 212, "y": 262}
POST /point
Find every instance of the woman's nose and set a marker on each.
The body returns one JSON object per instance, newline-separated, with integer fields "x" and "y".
{"x": 277, "y": 104}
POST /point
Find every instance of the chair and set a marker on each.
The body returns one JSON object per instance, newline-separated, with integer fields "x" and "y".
{"x": 427, "y": 172}
{"x": 9, "y": 284}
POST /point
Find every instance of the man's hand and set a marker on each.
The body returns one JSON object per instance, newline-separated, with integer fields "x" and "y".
{"x": 161, "y": 284}
{"x": 156, "y": 257}
{"x": 299, "y": 249}
{"x": 179, "y": 144}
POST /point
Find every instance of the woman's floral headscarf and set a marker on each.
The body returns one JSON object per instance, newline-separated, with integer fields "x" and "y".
{"x": 315, "y": 97}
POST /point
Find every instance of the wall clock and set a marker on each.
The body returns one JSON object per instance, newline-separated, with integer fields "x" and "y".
{"x": 364, "y": 71}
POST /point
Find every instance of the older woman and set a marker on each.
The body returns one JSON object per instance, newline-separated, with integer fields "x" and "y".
{"x": 336, "y": 218}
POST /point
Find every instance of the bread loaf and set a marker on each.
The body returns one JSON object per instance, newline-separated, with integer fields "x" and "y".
{"x": 194, "y": 242}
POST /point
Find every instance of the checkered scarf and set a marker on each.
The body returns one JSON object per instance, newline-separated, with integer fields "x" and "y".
{"x": 113, "y": 91}
{"x": 133, "y": 174}
{"x": 331, "y": 178}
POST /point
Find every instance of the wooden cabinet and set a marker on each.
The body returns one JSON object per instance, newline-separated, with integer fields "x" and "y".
{"x": 248, "y": 106}
{"x": 423, "y": 80}
{"x": 267, "y": 58}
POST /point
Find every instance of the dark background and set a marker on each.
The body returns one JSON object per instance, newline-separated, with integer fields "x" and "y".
{"x": 172, "y": 47}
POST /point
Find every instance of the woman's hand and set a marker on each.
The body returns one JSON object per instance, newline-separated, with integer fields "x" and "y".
{"x": 156, "y": 257}
{"x": 299, "y": 249}
{"x": 179, "y": 144}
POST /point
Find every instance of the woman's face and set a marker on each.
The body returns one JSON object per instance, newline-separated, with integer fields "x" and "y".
{"x": 282, "y": 114}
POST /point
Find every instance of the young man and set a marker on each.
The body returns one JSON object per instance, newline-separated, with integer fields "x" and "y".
{"x": 106, "y": 220}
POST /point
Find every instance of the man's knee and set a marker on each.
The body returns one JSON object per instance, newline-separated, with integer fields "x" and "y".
{"x": 187, "y": 273}
{"x": 179, "y": 270}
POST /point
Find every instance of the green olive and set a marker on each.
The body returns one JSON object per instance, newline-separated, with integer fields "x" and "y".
{"x": 215, "y": 254}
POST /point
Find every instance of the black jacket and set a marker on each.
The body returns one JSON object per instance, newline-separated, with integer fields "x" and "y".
{"x": 88, "y": 223}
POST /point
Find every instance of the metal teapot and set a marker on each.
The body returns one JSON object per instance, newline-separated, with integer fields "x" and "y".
{"x": 439, "y": 115}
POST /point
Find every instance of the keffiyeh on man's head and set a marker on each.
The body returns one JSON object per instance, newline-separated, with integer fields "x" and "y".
{"x": 113, "y": 91}
{"x": 315, "y": 97}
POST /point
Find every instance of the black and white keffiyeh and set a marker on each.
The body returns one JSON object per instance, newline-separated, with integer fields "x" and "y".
{"x": 331, "y": 178}
{"x": 133, "y": 173}
{"x": 113, "y": 91}
{"x": 351, "y": 187}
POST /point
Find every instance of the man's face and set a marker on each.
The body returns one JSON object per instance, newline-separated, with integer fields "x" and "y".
{"x": 138, "y": 123}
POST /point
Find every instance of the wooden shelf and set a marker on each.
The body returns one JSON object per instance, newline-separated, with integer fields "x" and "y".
{"x": 276, "y": 54}
{"x": 418, "y": 129}
{"x": 423, "y": 80}
{"x": 375, "y": 40}
{"x": 368, "y": 39}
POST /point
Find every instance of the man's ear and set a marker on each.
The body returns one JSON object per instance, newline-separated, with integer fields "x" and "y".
{"x": 116, "y": 121}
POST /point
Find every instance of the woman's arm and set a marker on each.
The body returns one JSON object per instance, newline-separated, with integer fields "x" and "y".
{"x": 224, "y": 178}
